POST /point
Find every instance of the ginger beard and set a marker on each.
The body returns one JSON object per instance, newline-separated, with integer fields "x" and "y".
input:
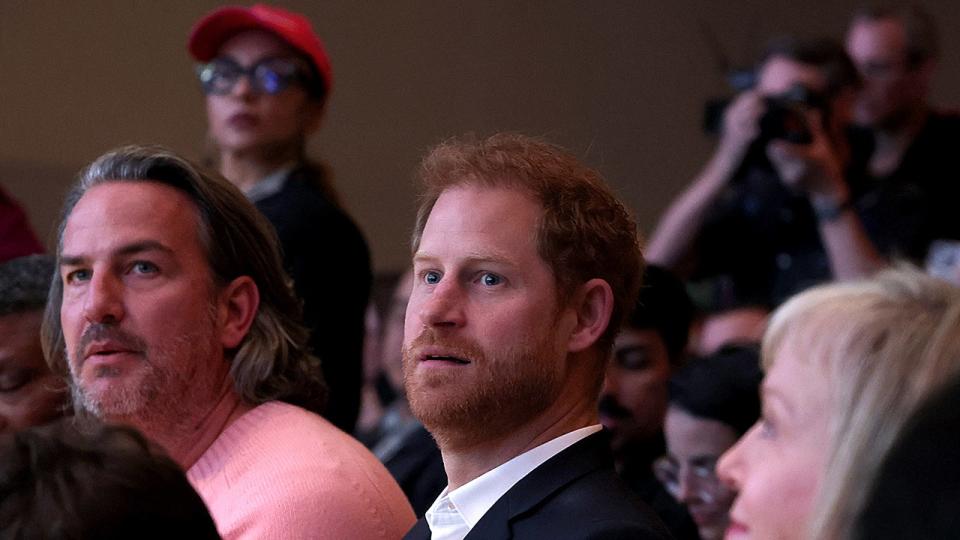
{"x": 492, "y": 396}
{"x": 159, "y": 387}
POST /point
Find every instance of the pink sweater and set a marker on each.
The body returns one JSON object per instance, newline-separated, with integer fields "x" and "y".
{"x": 282, "y": 472}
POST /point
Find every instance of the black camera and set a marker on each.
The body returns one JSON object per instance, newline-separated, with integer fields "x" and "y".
{"x": 785, "y": 116}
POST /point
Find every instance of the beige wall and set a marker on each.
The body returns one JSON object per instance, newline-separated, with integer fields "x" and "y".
{"x": 621, "y": 83}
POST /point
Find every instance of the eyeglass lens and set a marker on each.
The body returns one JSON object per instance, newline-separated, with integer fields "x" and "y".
{"x": 270, "y": 75}
{"x": 703, "y": 474}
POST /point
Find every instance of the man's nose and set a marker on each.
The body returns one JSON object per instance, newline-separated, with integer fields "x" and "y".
{"x": 443, "y": 307}
{"x": 686, "y": 489}
{"x": 103, "y": 302}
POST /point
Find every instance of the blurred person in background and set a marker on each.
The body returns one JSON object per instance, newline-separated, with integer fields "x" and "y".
{"x": 651, "y": 346}
{"x": 29, "y": 393}
{"x": 770, "y": 213}
{"x": 399, "y": 440}
{"x": 267, "y": 79}
{"x": 904, "y": 149}
{"x": 714, "y": 400}
{"x": 845, "y": 366}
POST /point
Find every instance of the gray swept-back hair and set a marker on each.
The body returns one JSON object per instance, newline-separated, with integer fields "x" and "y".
{"x": 273, "y": 360}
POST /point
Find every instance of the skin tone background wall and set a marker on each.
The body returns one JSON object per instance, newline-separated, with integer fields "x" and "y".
{"x": 620, "y": 83}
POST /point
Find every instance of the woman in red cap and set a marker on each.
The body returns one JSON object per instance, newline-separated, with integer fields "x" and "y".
{"x": 266, "y": 77}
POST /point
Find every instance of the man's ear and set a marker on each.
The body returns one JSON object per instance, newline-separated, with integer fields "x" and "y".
{"x": 238, "y": 305}
{"x": 593, "y": 306}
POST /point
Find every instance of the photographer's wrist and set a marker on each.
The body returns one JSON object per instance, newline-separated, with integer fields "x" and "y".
{"x": 828, "y": 209}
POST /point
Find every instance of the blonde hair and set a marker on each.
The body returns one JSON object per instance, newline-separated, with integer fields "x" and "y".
{"x": 884, "y": 344}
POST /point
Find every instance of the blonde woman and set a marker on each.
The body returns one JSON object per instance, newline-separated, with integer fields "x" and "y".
{"x": 845, "y": 366}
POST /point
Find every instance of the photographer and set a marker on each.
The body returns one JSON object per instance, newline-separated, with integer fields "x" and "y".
{"x": 770, "y": 214}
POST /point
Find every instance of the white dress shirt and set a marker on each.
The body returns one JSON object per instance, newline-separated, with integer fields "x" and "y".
{"x": 454, "y": 513}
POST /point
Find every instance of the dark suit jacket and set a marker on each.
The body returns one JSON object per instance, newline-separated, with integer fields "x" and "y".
{"x": 573, "y": 495}
{"x": 418, "y": 467}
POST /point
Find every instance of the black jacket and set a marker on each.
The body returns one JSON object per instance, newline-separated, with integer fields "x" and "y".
{"x": 327, "y": 257}
{"x": 573, "y": 495}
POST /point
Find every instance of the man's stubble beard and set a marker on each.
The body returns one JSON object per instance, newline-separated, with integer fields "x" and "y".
{"x": 492, "y": 397}
{"x": 163, "y": 394}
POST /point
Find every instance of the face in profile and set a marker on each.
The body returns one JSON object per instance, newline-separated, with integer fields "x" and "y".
{"x": 482, "y": 353}
{"x": 634, "y": 396}
{"x": 776, "y": 467}
{"x": 139, "y": 310}
{"x": 29, "y": 394}
{"x": 688, "y": 471}
{"x": 249, "y": 119}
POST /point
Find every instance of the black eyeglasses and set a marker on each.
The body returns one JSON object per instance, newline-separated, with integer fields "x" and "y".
{"x": 268, "y": 76}
{"x": 702, "y": 472}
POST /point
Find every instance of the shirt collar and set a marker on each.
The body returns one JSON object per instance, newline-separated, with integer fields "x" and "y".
{"x": 473, "y": 499}
{"x": 269, "y": 185}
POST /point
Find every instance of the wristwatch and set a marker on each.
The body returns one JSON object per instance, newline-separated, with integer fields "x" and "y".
{"x": 831, "y": 210}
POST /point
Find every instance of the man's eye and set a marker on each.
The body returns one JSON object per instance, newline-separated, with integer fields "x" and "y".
{"x": 632, "y": 358}
{"x": 431, "y": 278}
{"x": 11, "y": 382}
{"x": 144, "y": 267}
{"x": 490, "y": 280}
{"x": 77, "y": 275}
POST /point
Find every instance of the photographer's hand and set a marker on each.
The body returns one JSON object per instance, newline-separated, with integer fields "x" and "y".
{"x": 812, "y": 168}
{"x": 741, "y": 125}
{"x": 816, "y": 170}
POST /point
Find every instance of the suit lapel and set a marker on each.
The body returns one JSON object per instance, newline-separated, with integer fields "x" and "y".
{"x": 579, "y": 459}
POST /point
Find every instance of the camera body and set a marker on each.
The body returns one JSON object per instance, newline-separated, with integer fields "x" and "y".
{"x": 784, "y": 119}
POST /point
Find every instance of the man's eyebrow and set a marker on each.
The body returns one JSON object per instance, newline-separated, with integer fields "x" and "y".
{"x": 123, "y": 251}
{"x": 472, "y": 258}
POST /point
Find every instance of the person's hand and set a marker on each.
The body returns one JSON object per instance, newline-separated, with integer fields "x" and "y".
{"x": 741, "y": 123}
{"x": 812, "y": 168}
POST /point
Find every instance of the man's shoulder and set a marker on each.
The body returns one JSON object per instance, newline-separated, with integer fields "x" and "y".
{"x": 575, "y": 494}
{"x": 597, "y": 502}
{"x": 283, "y": 457}
{"x": 283, "y": 433}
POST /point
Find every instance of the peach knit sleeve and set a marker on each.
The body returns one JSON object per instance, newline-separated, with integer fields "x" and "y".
{"x": 282, "y": 472}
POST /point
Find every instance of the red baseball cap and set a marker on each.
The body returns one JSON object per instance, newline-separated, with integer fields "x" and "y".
{"x": 219, "y": 25}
